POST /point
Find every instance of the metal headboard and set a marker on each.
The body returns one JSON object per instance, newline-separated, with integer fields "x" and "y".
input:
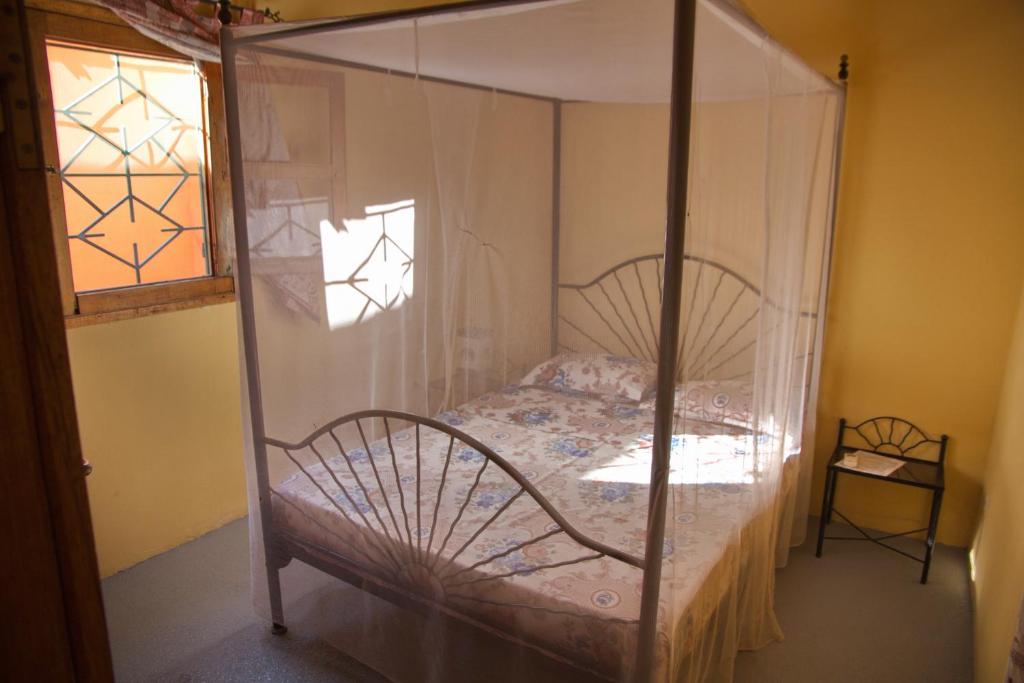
{"x": 617, "y": 312}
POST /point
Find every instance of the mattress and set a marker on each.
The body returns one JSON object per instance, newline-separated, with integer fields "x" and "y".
{"x": 476, "y": 551}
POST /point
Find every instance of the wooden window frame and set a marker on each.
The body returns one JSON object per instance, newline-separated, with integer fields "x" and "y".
{"x": 75, "y": 22}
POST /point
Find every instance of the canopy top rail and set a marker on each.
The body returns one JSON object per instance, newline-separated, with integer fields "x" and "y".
{"x": 302, "y": 28}
{"x": 496, "y": 57}
{"x": 289, "y": 54}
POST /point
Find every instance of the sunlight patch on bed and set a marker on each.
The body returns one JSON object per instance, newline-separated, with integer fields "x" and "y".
{"x": 696, "y": 459}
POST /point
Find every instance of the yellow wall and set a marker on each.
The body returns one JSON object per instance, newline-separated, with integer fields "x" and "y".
{"x": 928, "y": 259}
{"x": 999, "y": 547}
{"x": 614, "y": 168}
{"x": 160, "y": 419}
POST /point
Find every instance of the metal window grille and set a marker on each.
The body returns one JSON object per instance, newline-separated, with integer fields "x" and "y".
{"x": 132, "y": 149}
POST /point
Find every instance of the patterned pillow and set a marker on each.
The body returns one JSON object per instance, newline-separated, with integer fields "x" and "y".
{"x": 724, "y": 401}
{"x": 626, "y": 378}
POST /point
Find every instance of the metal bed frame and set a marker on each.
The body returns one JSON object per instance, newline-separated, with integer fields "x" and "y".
{"x": 717, "y": 329}
{"x": 417, "y": 584}
{"x": 399, "y": 567}
{"x": 398, "y": 563}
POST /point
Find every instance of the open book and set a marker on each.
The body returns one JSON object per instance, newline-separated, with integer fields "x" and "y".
{"x": 871, "y": 463}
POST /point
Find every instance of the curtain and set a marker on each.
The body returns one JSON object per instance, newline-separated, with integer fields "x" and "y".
{"x": 177, "y": 24}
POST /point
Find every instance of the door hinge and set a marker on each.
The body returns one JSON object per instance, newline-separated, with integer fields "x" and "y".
{"x": 18, "y": 113}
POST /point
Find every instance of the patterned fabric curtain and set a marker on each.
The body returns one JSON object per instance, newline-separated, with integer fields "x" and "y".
{"x": 177, "y": 24}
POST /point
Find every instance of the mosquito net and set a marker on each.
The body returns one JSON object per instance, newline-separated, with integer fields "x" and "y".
{"x": 455, "y": 297}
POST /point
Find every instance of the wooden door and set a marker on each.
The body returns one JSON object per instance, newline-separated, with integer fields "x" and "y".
{"x": 51, "y": 626}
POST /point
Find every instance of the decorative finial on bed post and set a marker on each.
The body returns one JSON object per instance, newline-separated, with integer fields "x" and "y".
{"x": 844, "y": 68}
{"x": 224, "y": 12}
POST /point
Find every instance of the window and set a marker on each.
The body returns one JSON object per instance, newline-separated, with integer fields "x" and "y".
{"x": 130, "y": 142}
{"x": 127, "y": 145}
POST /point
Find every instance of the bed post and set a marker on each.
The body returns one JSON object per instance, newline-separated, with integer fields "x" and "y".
{"x": 556, "y": 215}
{"x": 243, "y": 280}
{"x": 675, "y": 233}
{"x": 814, "y": 383}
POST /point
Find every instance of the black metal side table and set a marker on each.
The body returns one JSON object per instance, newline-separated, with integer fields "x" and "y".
{"x": 895, "y": 438}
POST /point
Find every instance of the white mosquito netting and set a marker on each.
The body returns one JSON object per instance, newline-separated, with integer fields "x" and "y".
{"x": 451, "y": 232}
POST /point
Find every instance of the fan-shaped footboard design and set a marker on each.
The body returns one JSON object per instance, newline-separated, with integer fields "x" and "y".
{"x": 422, "y": 506}
{"x": 618, "y": 311}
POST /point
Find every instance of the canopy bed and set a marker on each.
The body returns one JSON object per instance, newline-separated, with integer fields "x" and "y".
{"x": 493, "y": 372}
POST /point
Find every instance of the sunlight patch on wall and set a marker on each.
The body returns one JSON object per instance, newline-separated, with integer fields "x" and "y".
{"x": 368, "y": 263}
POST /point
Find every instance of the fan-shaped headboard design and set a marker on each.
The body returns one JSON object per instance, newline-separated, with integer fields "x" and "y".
{"x": 618, "y": 312}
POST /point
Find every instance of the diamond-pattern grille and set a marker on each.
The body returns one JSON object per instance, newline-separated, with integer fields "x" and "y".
{"x": 131, "y": 148}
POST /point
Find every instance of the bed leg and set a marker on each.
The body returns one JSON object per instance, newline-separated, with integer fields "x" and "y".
{"x": 276, "y": 606}
{"x": 826, "y": 509}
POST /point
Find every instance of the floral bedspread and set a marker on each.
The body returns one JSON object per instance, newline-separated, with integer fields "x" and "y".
{"x": 460, "y": 530}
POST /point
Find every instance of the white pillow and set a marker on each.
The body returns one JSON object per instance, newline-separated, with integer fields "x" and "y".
{"x": 617, "y": 376}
